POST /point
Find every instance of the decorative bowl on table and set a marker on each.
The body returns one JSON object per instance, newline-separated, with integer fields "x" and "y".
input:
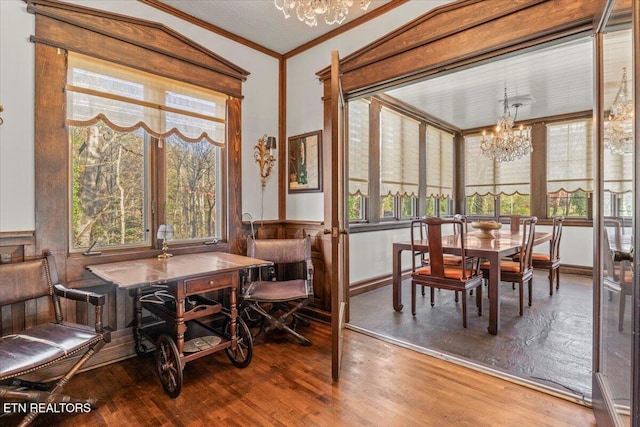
{"x": 486, "y": 228}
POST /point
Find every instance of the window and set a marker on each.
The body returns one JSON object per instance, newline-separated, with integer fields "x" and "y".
{"x": 439, "y": 172}
{"x": 145, "y": 150}
{"x": 569, "y": 168}
{"x": 358, "y": 159}
{"x": 495, "y": 188}
{"x": 399, "y": 165}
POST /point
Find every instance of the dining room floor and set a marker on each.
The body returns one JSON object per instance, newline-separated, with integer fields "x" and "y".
{"x": 550, "y": 345}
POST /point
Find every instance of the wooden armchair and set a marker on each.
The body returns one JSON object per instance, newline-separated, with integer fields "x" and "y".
{"x": 439, "y": 274}
{"x": 520, "y": 271}
{"x": 40, "y": 346}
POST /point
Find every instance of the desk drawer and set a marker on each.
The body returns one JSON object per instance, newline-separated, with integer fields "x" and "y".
{"x": 209, "y": 283}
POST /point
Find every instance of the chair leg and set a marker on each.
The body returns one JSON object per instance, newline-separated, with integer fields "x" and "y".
{"x": 621, "y": 306}
{"x": 413, "y": 298}
{"x": 433, "y": 295}
{"x": 464, "y": 308}
{"x": 551, "y": 281}
{"x": 530, "y": 290}
{"x": 479, "y": 300}
{"x": 521, "y": 288}
{"x": 456, "y": 298}
{"x": 422, "y": 290}
{"x": 558, "y": 278}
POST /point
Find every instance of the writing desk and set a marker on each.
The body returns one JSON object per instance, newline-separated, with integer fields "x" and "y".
{"x": 172, "y": 289}
{"x": 504, "y": 244}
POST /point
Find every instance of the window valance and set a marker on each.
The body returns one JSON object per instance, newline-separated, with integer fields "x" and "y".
{"x": 127, "y": 99}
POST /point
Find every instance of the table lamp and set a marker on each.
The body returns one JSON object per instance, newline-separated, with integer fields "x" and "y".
{"x": 165, "y": 232}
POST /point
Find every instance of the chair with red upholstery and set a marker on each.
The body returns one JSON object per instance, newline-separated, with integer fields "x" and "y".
{"x": 550, "y": 261}
{"x": 438, "y": 274}
{"x": 521, "y": 270}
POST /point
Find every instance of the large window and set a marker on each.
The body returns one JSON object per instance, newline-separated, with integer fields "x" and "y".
{"x": 495, "y": 188}
{"x": 569, "y": 168}
{"x": 399, "y": 161}
{"x": 144, "y": 151}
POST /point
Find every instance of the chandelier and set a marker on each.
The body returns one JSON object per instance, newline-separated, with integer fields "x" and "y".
{"x": 334, "y": 11}
{"x": 618, "y": 127}
{"x": 507, "y": 144}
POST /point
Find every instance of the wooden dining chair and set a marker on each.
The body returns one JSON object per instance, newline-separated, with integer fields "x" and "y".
{"x": 550, "y": 261}
{"x": 448, "y": 259}
{"x": 437, "y": 274}
{"x": 519, "y": 271}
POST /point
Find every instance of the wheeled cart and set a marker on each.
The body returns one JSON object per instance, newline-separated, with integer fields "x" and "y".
{"x": 183, "y": 322}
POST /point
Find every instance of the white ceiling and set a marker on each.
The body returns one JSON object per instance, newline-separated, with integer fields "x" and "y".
{"x": 260, "y": 22}
{"x": 558, "y": 77}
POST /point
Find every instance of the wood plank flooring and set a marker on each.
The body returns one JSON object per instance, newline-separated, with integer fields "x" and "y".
{"x": 290, "y": 385}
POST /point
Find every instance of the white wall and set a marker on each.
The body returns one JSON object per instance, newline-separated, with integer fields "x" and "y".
{"x": 17, "y": 133}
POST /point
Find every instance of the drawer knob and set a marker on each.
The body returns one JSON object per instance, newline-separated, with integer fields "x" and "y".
{"x": 211, "y": 282}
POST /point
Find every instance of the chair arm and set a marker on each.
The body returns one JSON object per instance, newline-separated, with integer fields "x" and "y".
{"x": 79, "y": 295}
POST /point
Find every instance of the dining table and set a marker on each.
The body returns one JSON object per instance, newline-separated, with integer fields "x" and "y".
{"x": 505, "y": 242}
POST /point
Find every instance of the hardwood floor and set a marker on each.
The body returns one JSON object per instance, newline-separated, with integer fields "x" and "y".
{"x": 290, "y": 385}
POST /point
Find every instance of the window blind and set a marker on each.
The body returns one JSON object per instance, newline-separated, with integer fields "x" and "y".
{"x": 485, "y": 176}
{"x": 127, "y": 99}
{"x": 399, "y": 160}
{"x": 439, "y": 172}
{"x": 358, "y": 147}
{"x": 618, "y": 172}
{"x": 569, "y": 156}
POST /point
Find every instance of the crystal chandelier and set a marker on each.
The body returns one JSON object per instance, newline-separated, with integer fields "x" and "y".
{"x": 618, "y": 127}
{"x": 508, "y": 143}
{"x": 334, "y": 11}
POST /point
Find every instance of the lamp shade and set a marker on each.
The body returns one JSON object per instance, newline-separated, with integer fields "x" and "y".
{"x": 165, "y": 232}
{"x": 271, "y": 142}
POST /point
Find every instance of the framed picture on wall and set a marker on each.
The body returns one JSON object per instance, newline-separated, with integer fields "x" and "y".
{"x": 305, "y": 162}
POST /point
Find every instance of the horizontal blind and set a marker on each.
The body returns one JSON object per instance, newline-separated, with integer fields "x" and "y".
{"x": 399, "y": 149}
{"x": 359, "y": 147}
{"x": 618, "y": 172}
{"x": 569, "y": 156}
{"x": 513, "y": 177}
{"x": 478, "y": 169}
{"x": 127, "y": 99}
{"x": 439, "y": 172}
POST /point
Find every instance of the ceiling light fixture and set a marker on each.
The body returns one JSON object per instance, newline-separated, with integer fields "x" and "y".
{"x": 507, "y": 144}
{"x": 334, "y": 11}
{"x": 618, "y": 126}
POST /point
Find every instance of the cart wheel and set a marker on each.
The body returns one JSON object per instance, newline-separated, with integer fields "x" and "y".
{"x": 168, "y": 364}
{"x": 241, "y": 356}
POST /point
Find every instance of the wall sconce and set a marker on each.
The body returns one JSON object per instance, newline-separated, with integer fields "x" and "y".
{"x": 265, "y": 159}
{"x": 165, "y": 232}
